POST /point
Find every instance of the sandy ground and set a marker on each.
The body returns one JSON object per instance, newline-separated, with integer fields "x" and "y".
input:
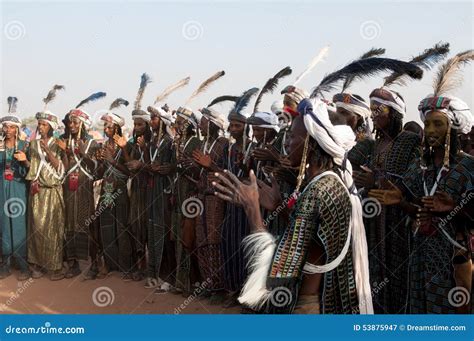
{"x": 110, "y": 295}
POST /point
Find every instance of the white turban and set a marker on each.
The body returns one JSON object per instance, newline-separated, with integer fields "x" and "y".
{"x": 12, "y": 120}
{"x": 389, "y": 98}
{"x": 187, "y": 113}
{"x": 82, "y": 116}
{"x": 140, "y": 114}
{"x": 113, "y": 118}
{"x": 265, "y": 120}
{"x": 215, "y": 117}
{"x": 49, "y": 118}
{"x": 337, "y": 141}
{"x": 352, "y": 104}
{"x": 454, "y": 108}
{"x": 277, "y": 107}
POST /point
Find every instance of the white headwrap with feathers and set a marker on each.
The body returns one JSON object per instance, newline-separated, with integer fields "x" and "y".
{"x": 337, "y": 141}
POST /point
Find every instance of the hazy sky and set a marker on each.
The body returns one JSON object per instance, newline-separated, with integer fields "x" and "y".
{"x": 91, "y": 46}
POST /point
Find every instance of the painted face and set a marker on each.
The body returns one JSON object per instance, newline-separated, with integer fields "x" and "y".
{"x": 10, "y": 131}
{"x": 139, "y": 126}
{"x": 180, "y": 124}
{"x": 380, "y": 115}
{"x": 204, "y": 126}
{"x": 155, "y": 123}
{"x": 258, "y": 133}
{"x": 43, "y": 128}
{"x": 73, "y": 124}
{"x": 236, "y": 129}
{"x": 295, "y": 141}
{"x": 109, "y": 129}
{"x": 436, "y": 128}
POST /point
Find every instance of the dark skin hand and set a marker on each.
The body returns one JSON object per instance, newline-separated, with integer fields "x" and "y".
{"x": 268, "y": 153}
{"x": 391, "y": 196}
{"x": 283, "y": 174}
{"x": 269, "y": 195}
{"x": 231, "y": 189}
{"x": 365, "y": 178}
{"x": 61, "y": 144}
{"x": 202, "y": 159}
{"x": 163, "y": 169}
{"x": 439, "y": 202}
{"x": 49, "y": 154}
{"x": 82, "y": 152}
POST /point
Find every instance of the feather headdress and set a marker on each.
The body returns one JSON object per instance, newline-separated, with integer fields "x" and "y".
{"x": 52, "y": 95}
{"x": 374, "y": 52}
{"x": 94, "y": 97}
{"x": 426, "y": 60}
{"x": 118, "y": 102}
{"x": 271, "y": 85}
{"x": 12, "y": 102}
{"x": 204, "y": 85}
{"x": 318, "y": 58}
{"x": 145, "y": 80}
{"x": 223, "y": 99}
{"x": 364, "y": 68}
{"x": 172, "y": 88}
{"x": 448, "y": 76}
{"x": 244, "y": 100}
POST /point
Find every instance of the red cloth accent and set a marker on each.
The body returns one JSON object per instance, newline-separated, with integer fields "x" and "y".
{"x": 292, "y": 112}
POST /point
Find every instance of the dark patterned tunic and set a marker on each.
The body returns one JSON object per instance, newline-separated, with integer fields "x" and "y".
{"x": 234, "y": 229}
{"x": 184, "y": 190}
{"x": 387, "y": 238}
{"x": 79, "y": 201}
{"x": 161, "y": 248}
{"x": 209, "y": 224}
{"x": 431, "y": 257}
{"x": 322, "y": 216}
{"x": 114, "y": 205}
{"x": 138, "y": 216}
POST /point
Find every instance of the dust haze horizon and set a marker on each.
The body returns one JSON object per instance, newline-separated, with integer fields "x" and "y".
{"x": 105, "y": 46}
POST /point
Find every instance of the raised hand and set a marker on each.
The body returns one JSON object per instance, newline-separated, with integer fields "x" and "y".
{"x": 269, "y": 195}
{"x": 230, "y": 188}
{"x": 120, "y": 141}
{"x": 61, "y": 144}
{"x": 20, "y": 156}
{"x": 141, "y": 142}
